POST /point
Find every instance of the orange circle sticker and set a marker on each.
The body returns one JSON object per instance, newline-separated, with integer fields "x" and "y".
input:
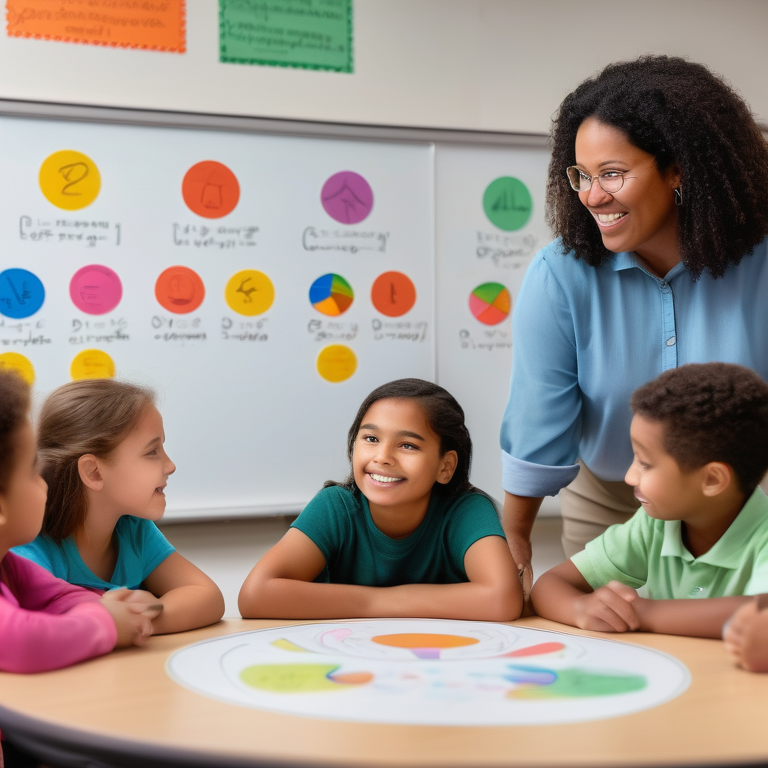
{"x": 210, "y": 189}
{"x": 179, "y": 290}
{"x": 393, "y": 294}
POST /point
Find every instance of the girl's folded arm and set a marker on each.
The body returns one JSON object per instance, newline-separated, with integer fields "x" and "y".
{"x": 190, "y": 599}
{"x": 280, "y": 586}
{"x": 493, "y": 592}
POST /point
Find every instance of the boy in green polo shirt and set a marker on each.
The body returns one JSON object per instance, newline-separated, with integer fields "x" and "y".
{"x": 699, "y": 543}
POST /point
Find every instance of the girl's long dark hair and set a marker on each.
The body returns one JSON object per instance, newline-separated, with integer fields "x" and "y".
{"x": 444, "y": 416}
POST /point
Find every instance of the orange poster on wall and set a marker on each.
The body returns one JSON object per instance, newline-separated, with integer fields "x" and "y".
{"x": 157, "y": 25}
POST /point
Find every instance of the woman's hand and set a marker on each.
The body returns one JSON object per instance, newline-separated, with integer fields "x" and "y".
{"x": 518, "y": 517}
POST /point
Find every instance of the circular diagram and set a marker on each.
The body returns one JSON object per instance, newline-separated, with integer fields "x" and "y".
{"x": 95, "y": 289}
{"x": 249, "y": 292}
{"x": 92, "y": 364}
{"x": 331, "y": 294}
{"x": 179, "y": 290}
{"x": 336, "y": 363}
{"x": 210, "y": 189}
{"x": 15, "y": 362}
{"x": 430, "y": 672}
{"x": 69, "y": 179}
{"x": 507, "y": 203}
{"x": 21, "y": 293}
{"x": 393, "y": 294}
{"x": 347, "y": 197}
{"x": 490, "y": 303}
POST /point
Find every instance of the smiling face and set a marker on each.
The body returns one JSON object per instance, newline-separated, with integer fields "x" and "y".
{"x": 22, "y": 504}
{"x": 135, "y": 474}
{"x": 642, "y": 215}
{"x": 397, "y": 460}
{"x": 665, "y": 491}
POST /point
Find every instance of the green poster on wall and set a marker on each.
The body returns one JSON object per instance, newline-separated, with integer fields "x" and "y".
{"x": 313, "y": 34}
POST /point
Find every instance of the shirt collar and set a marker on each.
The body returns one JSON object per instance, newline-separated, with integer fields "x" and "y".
{"x": 628, "y": 260}
{"x": 727, "y": 552}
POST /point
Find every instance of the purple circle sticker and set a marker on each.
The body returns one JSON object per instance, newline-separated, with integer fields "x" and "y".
{"x": 95, "y": 289}
{"x": 347, "y": 197}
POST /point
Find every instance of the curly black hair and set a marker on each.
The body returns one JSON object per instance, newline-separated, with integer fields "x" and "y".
{"x": 711, "y": 412}
{"x": 684, "y": 115}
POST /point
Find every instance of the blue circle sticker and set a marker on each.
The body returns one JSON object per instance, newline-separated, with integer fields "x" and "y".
{"x": 21, "y": 293}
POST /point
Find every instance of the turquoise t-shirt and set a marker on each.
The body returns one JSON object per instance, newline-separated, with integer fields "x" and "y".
{"x": 141, "y": 548}
{"x": 649, "y": 553}
{"x": 357, "y": 552}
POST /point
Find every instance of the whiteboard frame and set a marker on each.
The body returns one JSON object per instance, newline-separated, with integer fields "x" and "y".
{"x": 266, "y": 126}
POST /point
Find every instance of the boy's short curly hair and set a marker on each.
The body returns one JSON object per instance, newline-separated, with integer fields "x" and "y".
{"x": 711, "y": 412}
{"x": 14, "y": 410}
{"x": 684, "y": 115}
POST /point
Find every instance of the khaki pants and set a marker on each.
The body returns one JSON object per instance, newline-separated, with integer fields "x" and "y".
{"x": 590, "y": 505}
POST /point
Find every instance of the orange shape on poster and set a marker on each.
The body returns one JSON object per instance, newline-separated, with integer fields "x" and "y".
{"x": 179, "y": 290}
{"x": 151, "y": 26}
{"x": 210, "y": 189}
{"x": 393, "y": 294}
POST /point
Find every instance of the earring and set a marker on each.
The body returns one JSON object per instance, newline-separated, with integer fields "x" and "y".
{"x": 679, "y": 195}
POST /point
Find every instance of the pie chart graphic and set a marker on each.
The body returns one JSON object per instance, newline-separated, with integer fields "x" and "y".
{"x": 331, "y": 294}
{"x": 490, "y": 303}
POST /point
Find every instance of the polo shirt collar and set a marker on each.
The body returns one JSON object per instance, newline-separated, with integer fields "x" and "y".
{"x": 727, "y": 552}
{"x": 628, "y": 260}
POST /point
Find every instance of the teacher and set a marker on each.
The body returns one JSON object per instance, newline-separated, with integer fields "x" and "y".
{"x": 658, "y": 195}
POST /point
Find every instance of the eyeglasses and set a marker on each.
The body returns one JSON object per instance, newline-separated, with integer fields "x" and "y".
{"x": 610, "y": 181}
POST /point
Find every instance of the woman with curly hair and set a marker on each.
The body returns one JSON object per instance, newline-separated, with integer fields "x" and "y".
{"x": 658, "y": 196}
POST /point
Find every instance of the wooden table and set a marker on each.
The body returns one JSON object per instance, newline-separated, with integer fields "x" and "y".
{"x": 122, "y": 709}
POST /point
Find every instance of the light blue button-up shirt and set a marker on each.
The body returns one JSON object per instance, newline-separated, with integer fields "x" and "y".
{"x": 586, "y": 337}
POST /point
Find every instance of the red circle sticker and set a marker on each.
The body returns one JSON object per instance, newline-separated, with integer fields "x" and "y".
{"x": 210, "y": 189}
{"x": 179, "y": 290}
{"x": 393, "y": 294}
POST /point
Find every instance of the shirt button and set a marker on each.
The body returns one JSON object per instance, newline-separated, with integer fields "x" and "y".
{"x": 663, "y": 284}
{"x": 671, "y": 341}
{"x": 695, "y": 591}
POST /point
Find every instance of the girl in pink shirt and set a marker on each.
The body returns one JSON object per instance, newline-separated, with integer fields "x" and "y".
{"x": 46, "y": 623}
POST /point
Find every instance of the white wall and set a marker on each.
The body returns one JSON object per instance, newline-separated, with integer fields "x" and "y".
{"x": 501, "y": 65}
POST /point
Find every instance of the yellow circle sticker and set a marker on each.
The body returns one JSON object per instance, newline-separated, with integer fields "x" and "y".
{"x": 249, "y": 292}
{"x": 15, "y": 362}
{"x": 69, "y": 179}
{"x": 92, "y": 364}
{"x": 336, "y": 363}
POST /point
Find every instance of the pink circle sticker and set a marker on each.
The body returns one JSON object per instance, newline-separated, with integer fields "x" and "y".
{"x": 95, "y": 289}
{"x": 347, "y": 197}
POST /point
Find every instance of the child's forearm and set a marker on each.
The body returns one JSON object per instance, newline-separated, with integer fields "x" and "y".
{"x": 552, "y": 597}
{"x": 188, "y": 607}
{"x": 694, "y": 618}
{"x": 294, "y": 599}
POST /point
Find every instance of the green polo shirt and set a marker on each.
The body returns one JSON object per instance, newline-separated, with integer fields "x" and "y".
{"x": 644, "y": 552}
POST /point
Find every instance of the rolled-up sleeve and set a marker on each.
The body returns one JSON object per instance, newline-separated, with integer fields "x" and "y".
{"x": 541, "y": 428}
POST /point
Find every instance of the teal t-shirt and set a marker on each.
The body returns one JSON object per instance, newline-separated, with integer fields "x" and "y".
{"x": 357, "y": 552}
{"x": 141, "y": 548}
{"x": 649, "y": 553}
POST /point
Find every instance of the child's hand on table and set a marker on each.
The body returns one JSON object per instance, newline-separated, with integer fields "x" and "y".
{"x": 612, "y": 608}
{"x": 746, "y": 636}
{"x": 132, "y": 611}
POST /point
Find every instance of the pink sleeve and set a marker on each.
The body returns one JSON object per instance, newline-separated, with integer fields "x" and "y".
{"x": 46, "y": 623}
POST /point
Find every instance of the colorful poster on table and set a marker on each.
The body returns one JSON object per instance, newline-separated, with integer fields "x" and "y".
{"x": 157, "y": 26}
{"x": 310, "y": 34}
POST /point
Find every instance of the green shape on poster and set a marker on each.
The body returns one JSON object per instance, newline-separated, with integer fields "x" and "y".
{"x": 311, "y": 34}
{"x": 507, "y": 203}
{"x": 290, "y": 678}
{"x": 582, "y": 683}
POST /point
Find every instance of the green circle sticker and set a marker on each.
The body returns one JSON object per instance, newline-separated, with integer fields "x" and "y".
{"x": 507, "y": 203}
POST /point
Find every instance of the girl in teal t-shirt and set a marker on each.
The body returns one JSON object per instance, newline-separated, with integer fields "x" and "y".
{"x": 406, "y": 534}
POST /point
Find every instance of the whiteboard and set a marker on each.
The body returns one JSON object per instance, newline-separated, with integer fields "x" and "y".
{"x": 256, "y": 399}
